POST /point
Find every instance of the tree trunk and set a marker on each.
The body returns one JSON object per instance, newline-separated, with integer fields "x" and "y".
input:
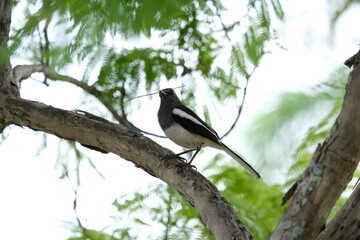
{"x": 346, "y": 223}
{"x": 6, "y": 85}
{"x": 328, "y": 173}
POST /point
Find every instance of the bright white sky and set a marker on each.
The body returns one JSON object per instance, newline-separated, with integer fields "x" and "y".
{"x": 35, "y": 204}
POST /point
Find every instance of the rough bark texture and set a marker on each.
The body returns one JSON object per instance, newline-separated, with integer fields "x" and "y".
{"x": 329, "y": 172}
{"x": 216, "y": 213}
{"x": 346, "y": 223}
{"x": 6, "y": 84}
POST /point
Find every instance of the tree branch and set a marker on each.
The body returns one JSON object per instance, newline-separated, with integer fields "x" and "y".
{"x": 6, "y": 84}
{"x": 345, "y": 225}
{"x": 216, "y": 213}
{"x": 21, "y": 72}
{"x": 239, "y": 111}
{"x": 328, "y": 173}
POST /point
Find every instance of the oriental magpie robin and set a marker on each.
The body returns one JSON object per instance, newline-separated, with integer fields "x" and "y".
{"x": 182, "y": 126}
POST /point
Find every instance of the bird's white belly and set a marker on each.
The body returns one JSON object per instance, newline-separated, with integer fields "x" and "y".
{"x": 184, "y": 138}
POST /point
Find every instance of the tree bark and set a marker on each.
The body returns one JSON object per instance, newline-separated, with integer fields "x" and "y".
{"x": 328, "y": 173}
{"x": 346, "y": 223}
{"x": 216, "y": 213}
{"x": 6, "y": 84}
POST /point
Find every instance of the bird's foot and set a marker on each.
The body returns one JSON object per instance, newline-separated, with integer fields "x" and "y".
{"x": 172, "y": 156}
{"x": 182, "y": 165}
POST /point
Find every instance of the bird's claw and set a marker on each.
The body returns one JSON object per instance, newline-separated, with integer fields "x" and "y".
{"x": 172, "y": 156}
{"x": 182, "y": 166}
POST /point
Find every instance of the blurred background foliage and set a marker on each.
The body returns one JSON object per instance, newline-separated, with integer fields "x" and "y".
{"x": 189, "y": 36}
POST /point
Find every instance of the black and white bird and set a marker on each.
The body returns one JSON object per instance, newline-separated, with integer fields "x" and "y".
{"x": 182, "y": 126}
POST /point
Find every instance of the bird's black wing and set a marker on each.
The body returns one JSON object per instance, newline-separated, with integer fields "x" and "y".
{"x": 186, "y": 118}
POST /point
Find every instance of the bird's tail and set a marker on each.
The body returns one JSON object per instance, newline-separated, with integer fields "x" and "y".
{"x": 242, "y": 162}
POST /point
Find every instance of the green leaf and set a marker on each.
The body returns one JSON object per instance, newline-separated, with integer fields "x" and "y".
{"x": 237, "y": 60}
{"x": 278, "y": 9}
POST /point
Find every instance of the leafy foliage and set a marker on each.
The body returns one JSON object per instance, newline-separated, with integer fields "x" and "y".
{"x": 161, "y": 207}
{"x": 340, "y": 7}
{"x": 122, "y": 72}
{"x": 88, "y": 234}
{"x": 274, "y": 127}
{"x": 186, "y": 28}
{"x": 256, "y": 203}
{"x": 291, "y": 109}
{"x": 98, "y": 35}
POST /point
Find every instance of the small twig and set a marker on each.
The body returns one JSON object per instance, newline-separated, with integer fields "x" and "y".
{"x": 289, "y": 193}
{"x": 42, "y": 55}
{"x": 242, "y": 104}
{"x": 122, "y": 102}
{"x": 225, "y": 29}
{"x": 44, "y": 47}
{"x": 149, "y": 94}
{"x": 41, "y": 47}
{"x": 66, "y": 174}
{"x": 22, "y": 72}
{"x": 47, "y": 42}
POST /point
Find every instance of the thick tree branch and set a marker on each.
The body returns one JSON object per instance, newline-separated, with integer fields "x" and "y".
{"x": 346, "y": 223}
{"x": 6, "y": 84}
{"x": 216, "y": 213}
{"x": 328, "y": 173}
{"x": 239, "y": 111}
{"x": 5, "y": 19}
